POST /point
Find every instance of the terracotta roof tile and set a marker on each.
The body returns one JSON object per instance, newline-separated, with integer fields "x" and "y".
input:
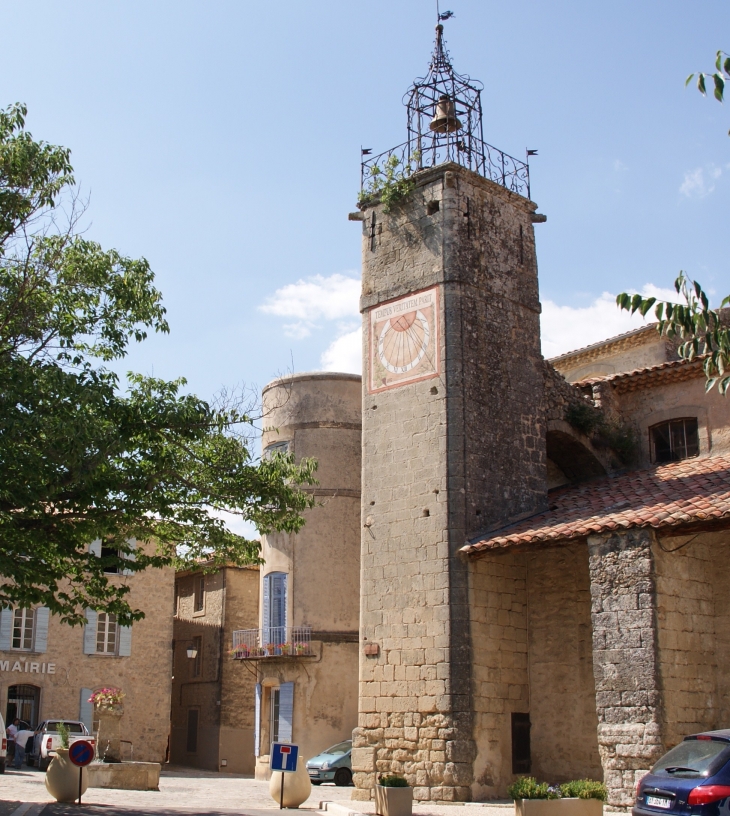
{"x": 672, "y": 371}
{"x": 665, "y": 496}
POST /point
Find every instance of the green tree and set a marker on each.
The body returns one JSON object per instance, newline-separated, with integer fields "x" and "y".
{"x": 83, "y": 457}
{"x": 701, "y": 330}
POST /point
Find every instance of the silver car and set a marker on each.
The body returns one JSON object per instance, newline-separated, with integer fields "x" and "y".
{"x": 332, "y": 765}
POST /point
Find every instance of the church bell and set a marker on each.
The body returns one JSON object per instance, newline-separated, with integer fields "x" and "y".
{"x": 445, "y": 120}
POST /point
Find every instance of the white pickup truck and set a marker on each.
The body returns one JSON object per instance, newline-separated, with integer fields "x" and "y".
{"x": 46, "y": 739}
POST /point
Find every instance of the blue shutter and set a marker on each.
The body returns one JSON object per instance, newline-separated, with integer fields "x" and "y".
{"x": 6, "y": 628}
{"x": 125, "y": 641}
{"x": 257, "y": 722}
{"x": 130, "y": 556}
{"x": 95, "y": 547}
{"x": 286, "y": 711}
{"x": 40, "y": 638}
{"x": 90, "y": 632}
{"x": 266, "y": 618}
{"x": 86, "y": 710}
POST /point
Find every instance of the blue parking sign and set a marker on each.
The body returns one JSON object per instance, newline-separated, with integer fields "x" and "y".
{"x": 284, "y": 757}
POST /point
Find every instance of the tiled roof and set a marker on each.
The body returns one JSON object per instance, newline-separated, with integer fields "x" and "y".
{"x": 673, "y": 371}
{"x": 629, "y": 338}
{"x": 680, "y": 493}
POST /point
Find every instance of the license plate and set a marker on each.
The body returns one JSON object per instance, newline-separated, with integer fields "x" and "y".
{"x": 314, "y": 773}
{"x": 658, "y": 801}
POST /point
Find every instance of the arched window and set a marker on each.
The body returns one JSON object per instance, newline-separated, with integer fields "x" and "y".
{"x": 674, "y": 440}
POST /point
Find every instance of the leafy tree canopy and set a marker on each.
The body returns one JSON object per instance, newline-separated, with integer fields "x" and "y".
{"x": 83, "y": 458}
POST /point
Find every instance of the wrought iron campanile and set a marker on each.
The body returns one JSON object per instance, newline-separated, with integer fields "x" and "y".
{"x": 444, "y": 111}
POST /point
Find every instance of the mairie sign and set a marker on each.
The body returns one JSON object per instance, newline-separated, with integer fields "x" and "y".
{"x": 284, "y": 757}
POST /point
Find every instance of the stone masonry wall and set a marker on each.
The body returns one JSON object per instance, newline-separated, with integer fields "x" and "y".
{"x": 564, "y": 741}
{"x": 625, "y": 659}
{"x": 500, "y": 668}
{"x": 442, "y": 459}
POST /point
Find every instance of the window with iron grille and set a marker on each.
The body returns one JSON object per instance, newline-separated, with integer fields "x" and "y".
{"x": 674, "y": 440}
{"x": 199, "y": 600}
{"x": 106, "y": 633}
{"x": 23, "y": 620}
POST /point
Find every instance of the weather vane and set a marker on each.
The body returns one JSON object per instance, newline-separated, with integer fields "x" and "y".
{"x": 447, "y": 15}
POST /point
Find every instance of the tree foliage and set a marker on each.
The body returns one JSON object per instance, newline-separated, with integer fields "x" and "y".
{"x": 700, "y": 330}
{"x": 84, "y": 458}
{"x": 718, "y": 79}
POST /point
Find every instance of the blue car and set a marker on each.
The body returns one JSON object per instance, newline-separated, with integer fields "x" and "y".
{"x": 693, "y": 778}
{"x": 332, "y": 765}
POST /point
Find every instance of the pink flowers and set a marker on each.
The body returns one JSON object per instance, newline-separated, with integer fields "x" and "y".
{"x": 107, "y": 697}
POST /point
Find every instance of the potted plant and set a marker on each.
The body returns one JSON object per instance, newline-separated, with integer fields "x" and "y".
{"x": 301, "y": 648}
{"x": 109, "y": 710}
{"x": 62, "y": 776}
{"x": 393, "y": 796}
{"x": 270, "y": 648}
{"x": 581, "y": 797}
{"x": 285, "y": 648}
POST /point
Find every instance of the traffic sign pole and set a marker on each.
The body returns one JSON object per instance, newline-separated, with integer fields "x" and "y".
{"x": 81, "y": 777}
{"x": 281, "y": 797}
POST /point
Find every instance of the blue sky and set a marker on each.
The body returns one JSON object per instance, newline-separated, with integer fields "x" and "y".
{"x": 221, "y": 140}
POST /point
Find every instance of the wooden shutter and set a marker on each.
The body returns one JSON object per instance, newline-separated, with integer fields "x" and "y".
{"x": 130, "y": 556}
{"x": 278, "y": 599}
{"x": 286, "y": 711}
{"x": 90, "y": 632}
{"x": 6, "y": 628}
{"x": 86, "y": 709}
{"x": 125, "y": 641}
{"x": 40, "y": 626}
{"x": 266, "y": 618}
{"x": 95, "y": 547}
{"x": 257, "y": 722}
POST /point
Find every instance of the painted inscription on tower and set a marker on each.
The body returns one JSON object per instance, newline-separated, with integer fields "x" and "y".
{"x": 404, "y": 340}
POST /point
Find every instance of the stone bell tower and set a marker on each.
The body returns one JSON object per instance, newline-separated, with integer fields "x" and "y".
{"x": 453, "y": 432}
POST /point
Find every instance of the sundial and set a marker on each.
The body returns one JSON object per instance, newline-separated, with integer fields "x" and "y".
{"x": 403, "y": 340}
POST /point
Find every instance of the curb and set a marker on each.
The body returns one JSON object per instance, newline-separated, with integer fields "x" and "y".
{"x": 332, "y": 808}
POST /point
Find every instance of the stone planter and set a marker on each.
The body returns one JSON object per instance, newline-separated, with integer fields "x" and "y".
{"x": 62, "y": 778}
{"x": 393, "y": 801}
{"x": 558, "y": 807}
{"x": 297, "y": 785}
{"x": 108, "y": 737}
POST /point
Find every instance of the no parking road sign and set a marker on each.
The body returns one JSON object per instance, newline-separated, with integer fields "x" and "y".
{"x": 81, "y": 753}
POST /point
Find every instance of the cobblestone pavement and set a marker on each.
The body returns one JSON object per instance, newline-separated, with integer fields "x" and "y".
{"x": 188, "y": 791}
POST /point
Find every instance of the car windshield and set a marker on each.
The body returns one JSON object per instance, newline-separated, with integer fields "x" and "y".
{"x": 339, "y": 749}
{"x": 693, "y": 758}
{"x": 74, "y": 728}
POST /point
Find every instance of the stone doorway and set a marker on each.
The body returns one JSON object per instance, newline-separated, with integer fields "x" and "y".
{"x": 23, "y": 703}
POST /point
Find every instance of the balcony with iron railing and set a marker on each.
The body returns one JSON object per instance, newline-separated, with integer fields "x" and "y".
{"x": 274, "y": 641}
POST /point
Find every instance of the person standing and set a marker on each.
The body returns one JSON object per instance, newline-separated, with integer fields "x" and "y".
{"x": 11, "y": 732}
{"x": 22, "y": 738}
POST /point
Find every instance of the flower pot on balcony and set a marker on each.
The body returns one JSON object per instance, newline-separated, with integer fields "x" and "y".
{"x": 558, "y": 807}
{"x": 270, "y": 648}
{"x": 393, "y": 801}
{"x": 62, "y": 778}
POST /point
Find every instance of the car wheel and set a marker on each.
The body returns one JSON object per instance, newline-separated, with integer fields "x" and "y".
{"x": 316, "y": 781}
{"x": 343, "y": 777}
{"x": 43, "y": 764}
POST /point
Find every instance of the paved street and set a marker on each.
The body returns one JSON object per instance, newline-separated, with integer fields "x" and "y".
{"x": 198, "y": 793}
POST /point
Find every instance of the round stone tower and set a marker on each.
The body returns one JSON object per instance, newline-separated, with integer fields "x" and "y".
{"x": 310, "y": 581}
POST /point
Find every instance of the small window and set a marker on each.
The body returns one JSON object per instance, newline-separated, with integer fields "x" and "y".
{"x": 521, "y": 758}
{"x": 192, "y": 740}
{"x": 199, "y": 602}
{"x": 23, "y": 620}
{"x": 276, "y": 447}
{"x": 110, "y": 552}
{"x": 198, "y": 659}
{"x": 106, "y": 633}
{"x": 675, "y": 440}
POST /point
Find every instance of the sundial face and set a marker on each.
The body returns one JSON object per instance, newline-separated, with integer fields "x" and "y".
{"x": 403, "y": 340}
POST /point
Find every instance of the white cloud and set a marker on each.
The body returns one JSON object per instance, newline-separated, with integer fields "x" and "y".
{"x": 700, "y": 182}
{"x": 344, "y": 353}
{"x": 313, "y": 299}
{"x": 567, "y": 328}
